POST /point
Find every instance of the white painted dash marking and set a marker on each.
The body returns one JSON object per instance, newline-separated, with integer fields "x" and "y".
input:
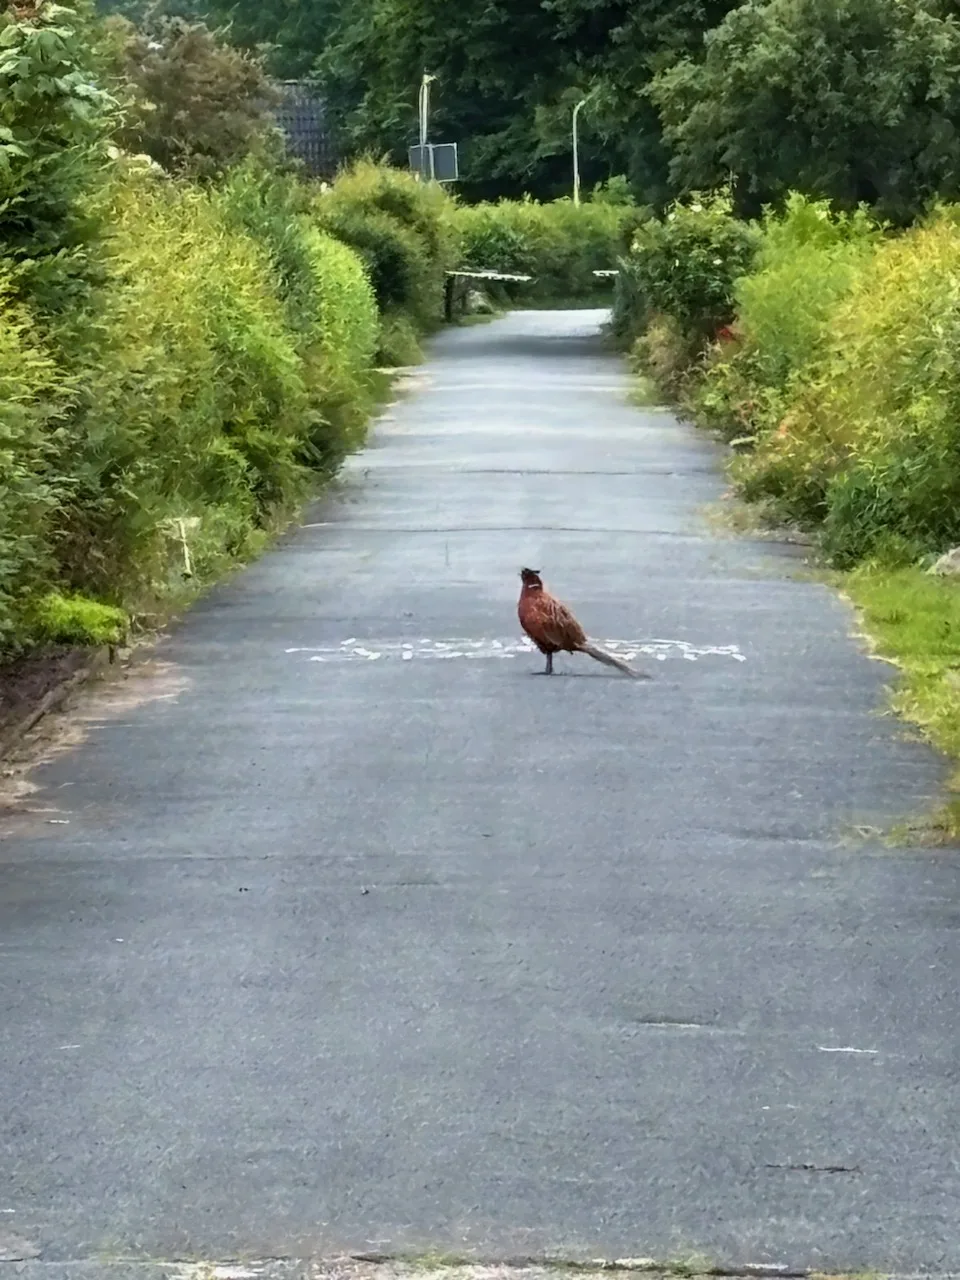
{"x": 462, "y": 647}
{"x": 846, "y": 1049}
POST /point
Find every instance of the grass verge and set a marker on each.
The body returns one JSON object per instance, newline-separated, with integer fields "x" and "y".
{"x": 913, "y": 620}
{"x": 909, "y": 617}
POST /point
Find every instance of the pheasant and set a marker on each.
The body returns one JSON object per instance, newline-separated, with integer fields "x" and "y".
{"x": 553, "y": 628}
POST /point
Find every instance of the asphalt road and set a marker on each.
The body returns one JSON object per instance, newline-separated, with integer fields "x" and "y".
{"x": 330, "y": 943}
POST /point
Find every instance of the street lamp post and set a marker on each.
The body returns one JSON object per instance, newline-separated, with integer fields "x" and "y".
{"x": 576, "y": 148}
{"x": 424, "y": 113}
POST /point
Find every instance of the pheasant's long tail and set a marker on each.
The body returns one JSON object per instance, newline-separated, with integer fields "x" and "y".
{"x": 609, "y": 660}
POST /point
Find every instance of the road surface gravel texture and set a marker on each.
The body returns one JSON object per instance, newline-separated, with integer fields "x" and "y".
{"x": 362, "y": 935}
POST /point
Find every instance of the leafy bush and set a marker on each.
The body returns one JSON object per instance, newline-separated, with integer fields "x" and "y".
{"x": 399, "y": 344}
{"x": 559, "y": 244}
{"x": 32, "y": 402}
{"x": 839, "y": 366}
{"x": 61, "y": 619}
{"x": 343, "y": 343}
{"x": 854, "y": 100}
{"x": 275, "y": 209}
{"x": 54, "y": 126}
{"x": 685, "y": 266}
{"x": 870, "y": 442}
{"x": 196, "y": 105}
{"x": 328, "y": 299}
{"x": 403, "y": 231}
{"x": 662, "y": 352}
{"x": 807, "y": 259}
{"x": 194, "y": 401}
{"x": 168, "y": 424}
{"x": 176, "y": 361}
{"x": 202, "y": 402}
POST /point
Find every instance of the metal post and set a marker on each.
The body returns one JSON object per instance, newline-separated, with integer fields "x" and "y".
{"x": 424, "y": 105}
{"x": 576, "y": 148}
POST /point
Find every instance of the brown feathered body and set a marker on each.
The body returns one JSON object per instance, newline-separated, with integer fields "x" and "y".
{"x": 553, "y": 628}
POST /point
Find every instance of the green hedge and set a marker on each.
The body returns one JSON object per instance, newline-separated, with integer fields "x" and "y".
{"x": 179, "y": 362}
{"x": 192, "y": 390}
{"x": 558, "y": 243}
{"x": 224, "y": 359}
{"x": 404, "y": 231}
{"x": 328, "y": 299}
{"x": 682, "y": 269}
{"x": 867, "y": 447}
{"x": 835, "y": 367}
{"x": 34, "y": 402}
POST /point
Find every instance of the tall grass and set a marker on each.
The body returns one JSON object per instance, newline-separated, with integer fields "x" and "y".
{"x": 868, "y": 444}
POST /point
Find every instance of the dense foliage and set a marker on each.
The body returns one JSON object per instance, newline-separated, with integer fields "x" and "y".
{"x": 685, "y": 265}
{"x": 851, "y": 100}
{"x": 560, "y": 245}
{"x": 404, "y": 232}
{"x": 179, "y": 360}
{"x": 856, "y": 100}
{"x": 508, "y": 76}
{"x": 194, "y": 104}
{"x": 55, "y": 122}
{"x": 838, "y": 376}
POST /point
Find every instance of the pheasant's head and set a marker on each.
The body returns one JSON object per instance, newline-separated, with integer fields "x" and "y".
{"x": 531, "y": 579}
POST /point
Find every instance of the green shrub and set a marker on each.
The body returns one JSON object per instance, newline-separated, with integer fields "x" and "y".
{"x": 328, "y": 300}
{"x": 195, "y": 104}
{"x": 61, "y": 619}
{"x": 807, "y": 259}
{"x": 176, "y": 362}
{"x": 870, "y": 443}
{"x": 344, "y": 339}
{"x": 32, "y": 404}
{"x": 685, "y": 265}
{"x": 559, "y": 244}
{"x": 194, "y": 400}
{"x": 399, "y": 344}
{"x": 274, "y": 208}
{"x": 54, "y": 127}
{"x": 662, "y": 352}
{"x": 631, "y": 309}
{"x": 404, "y": 232}
{"x": 229, "y": 354}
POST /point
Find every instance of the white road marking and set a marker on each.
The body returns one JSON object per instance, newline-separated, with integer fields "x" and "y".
{"x": 846, "y": 1049}
{"x": 351, "y": 650}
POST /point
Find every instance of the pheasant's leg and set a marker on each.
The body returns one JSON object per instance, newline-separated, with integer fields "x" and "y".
{"x": 549, "y": 670}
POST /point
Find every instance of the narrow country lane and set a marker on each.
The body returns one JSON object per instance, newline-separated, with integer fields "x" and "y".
{"x": 360, "y": 935}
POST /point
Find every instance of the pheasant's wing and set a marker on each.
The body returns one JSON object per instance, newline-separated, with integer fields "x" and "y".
{"x": 558, "y": 625}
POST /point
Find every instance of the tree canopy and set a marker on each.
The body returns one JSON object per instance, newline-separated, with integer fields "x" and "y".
{"x": 195, "y": 103}
{"x": 857, "y": 100}
{"x": 508, "y": 73}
